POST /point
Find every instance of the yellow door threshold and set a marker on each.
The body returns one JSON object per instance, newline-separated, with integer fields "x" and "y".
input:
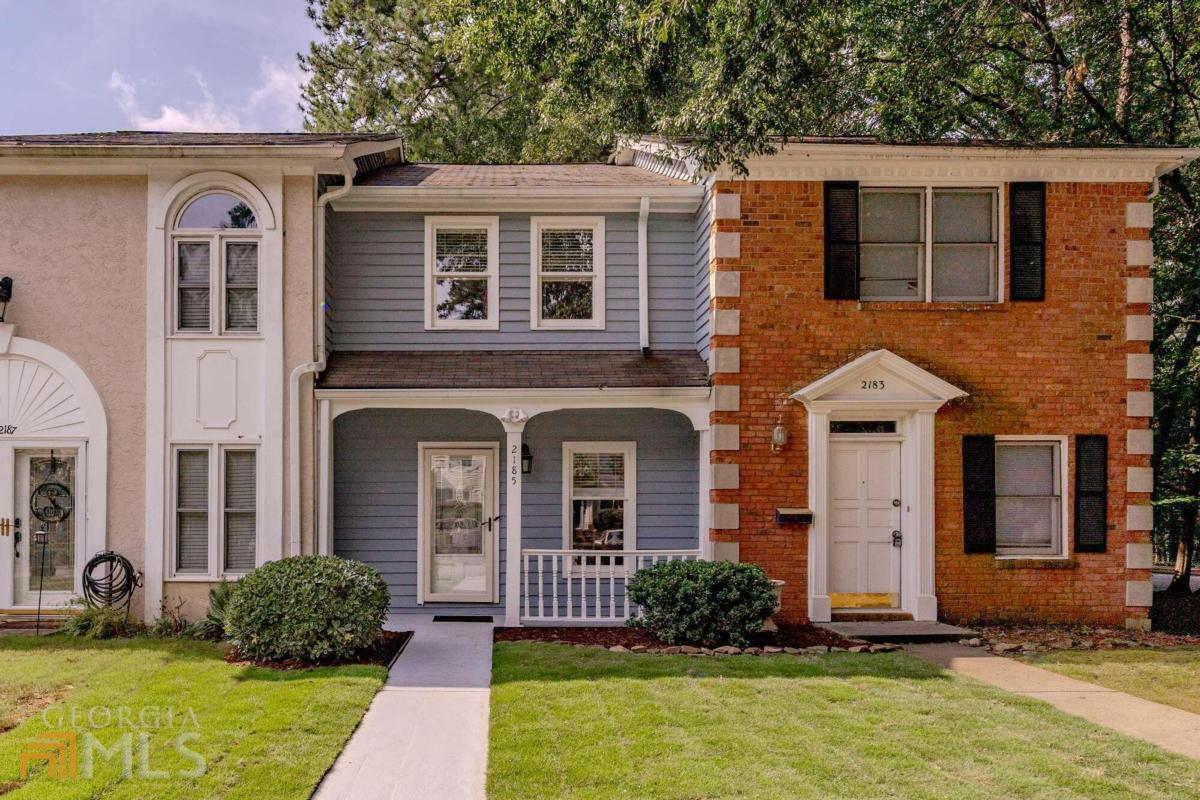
{"x": 864, "y": 600}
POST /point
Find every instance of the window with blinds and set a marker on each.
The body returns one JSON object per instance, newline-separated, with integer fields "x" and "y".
{"x": 216, "y": 519}
{"x": 191, "y": 511}
{"x": 599, "y": 495}
{"x": 461, "y": 272}
{"x": 216, "y": 266}
{"x": 568, "y": 272}
{"x": 241, "y": 519}
{"x": 241, "y": 286}
{"x": 1028, "y": 498}
{"x": 929, "y": 243}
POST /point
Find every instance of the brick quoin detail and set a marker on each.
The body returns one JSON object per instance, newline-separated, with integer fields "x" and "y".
{"x": 1056, "y": 367}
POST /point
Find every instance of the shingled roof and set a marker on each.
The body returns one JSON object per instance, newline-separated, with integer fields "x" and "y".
{"x": 169, "y": 139}
{"x": 513, "y": 369}
{"x": 513, "y": 175}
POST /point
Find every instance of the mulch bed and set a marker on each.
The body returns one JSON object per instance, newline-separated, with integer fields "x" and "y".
{"x": 1176, "y": 613}
{"x": 1018, "y": 639}
{"x": 786, "y": 636}
{"x": 382, "y": 654}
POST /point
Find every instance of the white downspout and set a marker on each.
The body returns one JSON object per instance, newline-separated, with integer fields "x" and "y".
{"x": 313, "y": 367}
{"x": 644, "y": 274}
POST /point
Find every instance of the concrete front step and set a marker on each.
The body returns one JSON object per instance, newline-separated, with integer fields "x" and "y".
{"x": 899, "y": 631}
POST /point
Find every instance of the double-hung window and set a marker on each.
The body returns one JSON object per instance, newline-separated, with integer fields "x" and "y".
{"x": 215, "y": 251}
{"x": 1030, "y": 474}
{"x": 568, "y": 272}
{"x": 930, "y": 243}
{"x": 600, "y": 495}
{"x": 216, "y": 510}
{"x": 462, "y": 284}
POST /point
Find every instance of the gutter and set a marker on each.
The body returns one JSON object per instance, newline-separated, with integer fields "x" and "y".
{"x": 644, "y": 274}
{"x": 314, "y": 368}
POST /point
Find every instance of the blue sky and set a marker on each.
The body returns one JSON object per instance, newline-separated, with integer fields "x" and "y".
{"x": 94, "y": 65}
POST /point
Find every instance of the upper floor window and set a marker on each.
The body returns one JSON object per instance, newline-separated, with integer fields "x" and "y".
{"x": 929, "y": 243}
{"x": 462, "y": 273}
{"x": 568, "y": 272}
{"x": 215, "y": 247}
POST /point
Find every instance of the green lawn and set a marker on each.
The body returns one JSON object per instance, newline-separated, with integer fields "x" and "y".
{"x": 1164, "y": 676}
{"x": 261, "y": 733}
{"x": 586, "y": 723}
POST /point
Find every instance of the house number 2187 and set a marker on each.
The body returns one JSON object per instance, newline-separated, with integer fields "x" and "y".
{"x": 877, "y": 384}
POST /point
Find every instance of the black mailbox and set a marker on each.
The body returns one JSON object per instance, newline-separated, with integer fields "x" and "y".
{"x": 793, "y": 516}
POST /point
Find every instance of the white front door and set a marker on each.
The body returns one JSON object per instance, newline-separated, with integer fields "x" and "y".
{"x": 460, "y": 526}
{"x": 42, "y": 515}
{"x": 864, "y": 523}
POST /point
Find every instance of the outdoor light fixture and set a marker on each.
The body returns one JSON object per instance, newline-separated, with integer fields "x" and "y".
{"x": 5, "y": 295}
{"x": 778, "y": 436}
{"x": 526, "y": 460}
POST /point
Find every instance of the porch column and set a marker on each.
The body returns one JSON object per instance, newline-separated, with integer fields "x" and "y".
{"x": 926, "y": 607}
{"x": 514, "y": 420}
{"x": 324, "y": 533}
{"x": 704, "y": 511}
{"x": 819, "y": 609}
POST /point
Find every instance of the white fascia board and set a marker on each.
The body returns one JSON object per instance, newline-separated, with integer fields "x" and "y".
{"x": 663, "y": 199}
{"x": 451, "y": 396}
{"x": 138, "y": 160}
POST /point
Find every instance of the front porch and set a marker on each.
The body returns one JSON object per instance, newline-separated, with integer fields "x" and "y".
{"x": 536, "y": 513}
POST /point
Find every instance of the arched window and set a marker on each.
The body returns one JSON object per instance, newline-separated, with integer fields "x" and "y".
{"x": 215, "y": 245}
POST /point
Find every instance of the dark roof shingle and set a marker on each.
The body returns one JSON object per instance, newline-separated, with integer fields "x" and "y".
{"x": 172, "y": 139}
{"x": 489, "y": 176}
{"x": 513, "y": 369}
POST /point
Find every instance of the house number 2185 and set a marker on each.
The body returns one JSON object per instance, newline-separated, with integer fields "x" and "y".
{"x": 876, "y": 384}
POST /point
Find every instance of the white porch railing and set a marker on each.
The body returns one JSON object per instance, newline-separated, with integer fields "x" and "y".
{"x": 585, "y": 585}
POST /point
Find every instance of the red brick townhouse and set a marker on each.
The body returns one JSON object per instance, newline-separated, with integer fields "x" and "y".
{"x": 931, "y": 370}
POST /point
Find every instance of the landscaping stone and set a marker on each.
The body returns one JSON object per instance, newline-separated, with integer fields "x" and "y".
{"x": 793, "y": 651}
{"x": 728, "y": 650}
{"x": 819, "y": 649}
{"x": 772, "y": 650}
{"x": 688, "y": 650}
{"x": 638, "y": 648}
{"x": 616, "y": 648}
{"x": 673, "y": 650}
{"x": 1005, "y": 647}
{"x": 837, "y": 649}
{"x": 861, "y": 648}
{"x": 753, "y": 651}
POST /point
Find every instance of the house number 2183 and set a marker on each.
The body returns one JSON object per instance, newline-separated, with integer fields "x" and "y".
{"x": 876, "y": 384}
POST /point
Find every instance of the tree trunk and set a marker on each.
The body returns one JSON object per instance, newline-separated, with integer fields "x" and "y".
{"x": 1181, "y": 582}
{"x": 1125, "y": 76}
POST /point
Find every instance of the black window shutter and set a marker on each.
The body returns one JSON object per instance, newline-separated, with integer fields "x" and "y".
{"x": 1091, "y": 494}
{"x": 1027, "y": 240}
{"x": 979, "y": 494}
{"x": 841, "y": 240}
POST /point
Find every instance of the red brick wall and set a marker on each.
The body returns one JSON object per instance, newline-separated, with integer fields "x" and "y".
{"x": 1053, "y": 368}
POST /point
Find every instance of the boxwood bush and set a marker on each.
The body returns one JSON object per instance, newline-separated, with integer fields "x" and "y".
{"x": 310, "y": 608}
{"x": 703, "y": 603}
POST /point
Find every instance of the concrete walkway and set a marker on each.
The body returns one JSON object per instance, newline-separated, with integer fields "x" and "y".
{"x": 425, "y": 735}
{"x": 1170, "y": 728}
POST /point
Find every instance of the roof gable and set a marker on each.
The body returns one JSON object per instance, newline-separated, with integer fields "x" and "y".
{"x": 879, "y": 379}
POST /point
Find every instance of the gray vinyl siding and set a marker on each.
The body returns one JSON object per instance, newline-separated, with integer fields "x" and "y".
{"x": 375, "y": 484}
{"x": 376, "y": 286}
{"x": 703, "y": 232}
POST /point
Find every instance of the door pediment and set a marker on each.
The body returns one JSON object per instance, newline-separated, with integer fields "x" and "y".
{"x": 879, "y": 379}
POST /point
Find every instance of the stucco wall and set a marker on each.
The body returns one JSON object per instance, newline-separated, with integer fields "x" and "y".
{"x": 76, "y": 250}
{"x": 298, "y": 300}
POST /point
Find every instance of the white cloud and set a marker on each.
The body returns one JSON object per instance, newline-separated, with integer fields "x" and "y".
{"x": 271, "y": 105}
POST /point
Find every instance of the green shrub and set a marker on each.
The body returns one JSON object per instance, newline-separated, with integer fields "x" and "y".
{"x": 311, "y": 608}
{"x": 102, "y": 623}
{"x": 703, "y": 603}
{"x": 212, "y": 627}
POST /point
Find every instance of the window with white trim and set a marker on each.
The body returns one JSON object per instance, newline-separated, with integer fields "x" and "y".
{"x": 567, "y": 286}
{"x": 930, "y": 243}
{"x": 215, "y": 510}
{"x": 215, "y": 253}
{"x": 1029, "y": 497}
{"x": 600, "y": 495}
{"x": 462, "y": 284}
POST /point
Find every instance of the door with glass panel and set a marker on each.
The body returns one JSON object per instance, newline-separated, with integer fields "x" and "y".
{"x": 44, "y": 523}
{"x": 459, "y": 525}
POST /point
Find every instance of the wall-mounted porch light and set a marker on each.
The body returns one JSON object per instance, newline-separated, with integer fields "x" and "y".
{"x": 779, "y": 436}
{"x": 526, "y": 460}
